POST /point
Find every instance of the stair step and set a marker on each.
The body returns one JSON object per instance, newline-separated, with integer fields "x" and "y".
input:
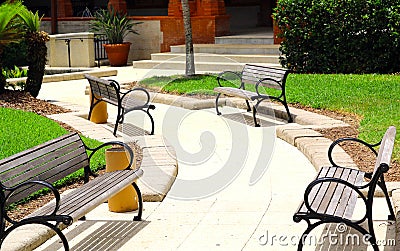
{"x": 268, "y": 39}
{"x": 249, "y": 49}
{"x": 223, "y": 58}
{"x": 181, "y": 65}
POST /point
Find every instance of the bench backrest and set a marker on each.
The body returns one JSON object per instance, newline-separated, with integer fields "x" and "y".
{"x": 104, "y": 88}
{"x": 274, "y": 77}
{"x": 49, "y": 161}
{"x": 386, "y": 148}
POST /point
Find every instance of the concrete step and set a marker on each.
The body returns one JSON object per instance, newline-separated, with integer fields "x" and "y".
{"x": 200, "y": 66}
{"x": 246, "y": 49}
{"x": 245, "y": 39}
{"x": 223, "y": 58}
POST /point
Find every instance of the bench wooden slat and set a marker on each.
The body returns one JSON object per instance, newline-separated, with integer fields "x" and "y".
{"x": 230, "y": 91}
{"x": 312, "y": 195}
{"x": 10, "y": 167}
{"x": 386, "y": 148}
{"x": 44, "y": 163}
{"x": 315, "y": 204}
{"x": 92, "y": 194}
{"x": 336, "y": 202}
{"x": 22, "y": 193}
{"x": 346, "y": 195}
{"x": 329, "y": 191}
{"x": 353, "y": 197}
{"x": 338, "y": 194}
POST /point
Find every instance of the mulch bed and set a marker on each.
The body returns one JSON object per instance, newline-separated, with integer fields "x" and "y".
{"x": 361, "y": 155}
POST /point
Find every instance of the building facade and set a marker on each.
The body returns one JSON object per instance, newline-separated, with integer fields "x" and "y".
{"x": 162, "y": 23}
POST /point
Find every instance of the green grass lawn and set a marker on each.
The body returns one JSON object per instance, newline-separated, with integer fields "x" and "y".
{"x": 22, "y": 130}
{"x": 374, "y": 98}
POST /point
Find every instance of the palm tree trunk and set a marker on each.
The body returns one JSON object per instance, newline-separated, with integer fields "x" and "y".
{"x": 37, "y": 52}
{"x": 190, "y": 68}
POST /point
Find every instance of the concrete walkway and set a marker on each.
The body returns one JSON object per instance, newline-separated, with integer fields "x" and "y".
{"x": 237, "y": 186}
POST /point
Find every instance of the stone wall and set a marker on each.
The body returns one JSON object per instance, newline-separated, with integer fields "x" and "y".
{"x": 143, "y": 45}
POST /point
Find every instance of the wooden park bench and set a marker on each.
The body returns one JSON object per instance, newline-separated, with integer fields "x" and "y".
{"x": 332, "y": 196}
{"x": 261, "y": 77}
{"x": 39, "y": 167}
{"x": 110, "y": 91}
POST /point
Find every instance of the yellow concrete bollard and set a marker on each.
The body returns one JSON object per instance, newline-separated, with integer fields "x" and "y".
{"x": 127, "y": 199}
{"x": 99, "y": 113}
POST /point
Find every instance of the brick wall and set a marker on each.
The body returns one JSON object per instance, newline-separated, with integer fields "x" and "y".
{"x": 204, "y": 30}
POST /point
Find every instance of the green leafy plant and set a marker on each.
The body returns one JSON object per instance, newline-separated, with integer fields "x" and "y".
{"x": 15, "y": 54}
{"x": 15, "y": 73}
{"x": 347, "y": 36}
{"x": 9, "y": 30}
{"x": 37, "y": 50}
{"x": 112, "y": 24}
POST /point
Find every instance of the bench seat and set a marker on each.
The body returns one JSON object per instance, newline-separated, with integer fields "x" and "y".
{"x": 235, "y": 92}
{"x": 90, "y": 195}
{"x": 39, "y": 167}
{"x": 261, "y": 78}
{"x": 137, "y": 99}
{"x": 332, "y": 196}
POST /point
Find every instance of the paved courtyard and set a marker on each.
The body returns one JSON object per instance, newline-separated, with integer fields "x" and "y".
{"x": 236, "y": 186}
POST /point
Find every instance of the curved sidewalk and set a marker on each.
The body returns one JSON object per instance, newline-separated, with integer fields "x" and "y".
{"x": 240, "y": 216}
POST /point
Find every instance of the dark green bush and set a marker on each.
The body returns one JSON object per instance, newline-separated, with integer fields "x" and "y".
{"x": 340, "y": 36}
{"x": 15, "y": 54}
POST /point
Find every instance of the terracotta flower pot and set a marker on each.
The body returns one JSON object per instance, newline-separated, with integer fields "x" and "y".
{"x": 117, "y": 53}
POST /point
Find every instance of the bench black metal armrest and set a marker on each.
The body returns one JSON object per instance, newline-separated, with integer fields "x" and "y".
{"x": 137, "y": 89}
{"x": 146, "y": 103}
{"x": 30, "y": 183}
{"x": 262, "y": 83}
{"x": 321, "y": 180}
{"x": 237, "y": 75}
{"x": 338, "y": 141}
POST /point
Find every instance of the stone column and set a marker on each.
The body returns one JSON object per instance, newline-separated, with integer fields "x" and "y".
{"x": 64, "y": 8}
{"x": 118, "y": 5}
{"x": 174, "y": 8}
{"x": 211, "y": 7}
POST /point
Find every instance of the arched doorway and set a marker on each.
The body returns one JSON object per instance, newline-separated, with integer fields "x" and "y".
{"x": 249, "y": 14}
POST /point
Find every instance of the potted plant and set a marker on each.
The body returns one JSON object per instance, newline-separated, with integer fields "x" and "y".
{"x": 115, "y": 26}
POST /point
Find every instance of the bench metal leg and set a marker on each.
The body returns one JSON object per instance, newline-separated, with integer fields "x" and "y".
{"x": 152, "y": 122}
{"x": 382, "y": 185}
{"x": 140, "y": 201}
{"x": 290, "y": 119}
{"x": 305, "y": 234}
{"x": 45, "y": 223}
{"x": 92, "y": 105}
{"x": 248, "y": 106}
{"x": 119, "y": 120}
{"x": 216, "y": 104}
{"x": 255, "y": 112}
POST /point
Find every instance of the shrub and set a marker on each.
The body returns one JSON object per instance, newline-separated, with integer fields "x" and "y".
{"x": 346, "y": 36}
{"x": 15, "y": 73}
{"x": 15, "y": 54}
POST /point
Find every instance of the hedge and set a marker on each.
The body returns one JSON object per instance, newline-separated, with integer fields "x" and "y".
{"x": 339, "y": 36}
